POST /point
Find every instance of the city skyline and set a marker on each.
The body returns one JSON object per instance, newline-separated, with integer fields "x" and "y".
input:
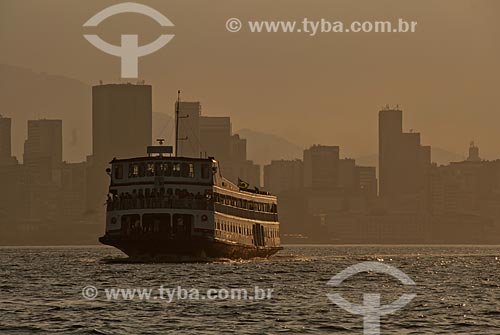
{"x": 167, "y": 131}
{"x": 321, "y": 193}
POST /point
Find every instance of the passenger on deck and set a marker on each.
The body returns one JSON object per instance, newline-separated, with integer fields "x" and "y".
{"x": 134, "y": 199}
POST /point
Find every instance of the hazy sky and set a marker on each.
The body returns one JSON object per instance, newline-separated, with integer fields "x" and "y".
{"x": 323, "y": 89}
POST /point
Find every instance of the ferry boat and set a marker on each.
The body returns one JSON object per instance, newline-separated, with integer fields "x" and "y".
{"x": 178, "y": 208}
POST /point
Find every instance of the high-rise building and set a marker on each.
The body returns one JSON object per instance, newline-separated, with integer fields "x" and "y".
{"x": 367, "y": 176}
{"x": 390, "y": 132}
{"x": 44, "y": 143}
{"x": 403, "y": 162}
{"x": 321, "y": 167}
{"x": 470, "y": 187}
{"x": 215, "y": 136}
{"x": 347, "y": 178}
{"x": 203, "y": 136}
{"x": 189, "y": 129}
{"x": 5, "y": 138}
{"x": 237, "y": 166}
{"x": 121, "y": 121}
{"x": 473, "y": 153}
{"x": 121, "y": 128}
{"x": 10, "y": 177}
{"x": 238, "y": 148}
{"x": 282, "y": 176}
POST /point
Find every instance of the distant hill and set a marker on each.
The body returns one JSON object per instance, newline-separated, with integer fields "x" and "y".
{"x": 438, "y": 155}
{"x": 27, "y": 95}
{"x": 262, "y": 147}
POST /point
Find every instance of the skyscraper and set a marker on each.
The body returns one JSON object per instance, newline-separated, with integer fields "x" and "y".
{"x": 282, "y": 176}
{"x": 121, "y": 121}
{"x": 473, "y": 153}
{"x": 403, "y": 162}
{"x": 215, "y": 136}
{"x": 367, "y": 176}
{"x": 5, "y": 138}
{"x": 44, "y": 143}
{"x": 121, "y": 128}
{"x": 321, "y": 166}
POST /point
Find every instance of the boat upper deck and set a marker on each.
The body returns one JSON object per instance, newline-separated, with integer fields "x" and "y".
{"x": 178, "y": 170}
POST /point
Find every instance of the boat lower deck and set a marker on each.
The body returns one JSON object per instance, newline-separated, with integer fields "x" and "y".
{"x": 182, "y": 248}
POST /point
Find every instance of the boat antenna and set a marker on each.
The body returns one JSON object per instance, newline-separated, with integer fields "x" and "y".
{"x": 177, "y": 122}
{"x": 177, "y": 117}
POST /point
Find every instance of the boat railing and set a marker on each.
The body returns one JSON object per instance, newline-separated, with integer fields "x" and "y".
{"x": 159, "y": 203}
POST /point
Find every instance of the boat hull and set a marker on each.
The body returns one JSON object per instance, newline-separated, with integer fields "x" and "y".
{"x": 185, "y": 248}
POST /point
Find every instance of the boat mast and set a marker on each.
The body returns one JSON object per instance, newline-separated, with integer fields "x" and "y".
{"x": 177, "y": 122}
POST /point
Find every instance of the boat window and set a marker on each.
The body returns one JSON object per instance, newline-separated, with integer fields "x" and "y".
{"x": 185, "y": 170}
{"x": 135, "y": 170}
{"x": 118, "y": 171}
{"x": 191, "y": 170}
{"x": 176, "y": 170}
{"x": 158, "y": 222}
{"x": 130, "y": 223}
{"x": 167, "y": 169}
{"x": 274, "y": 208}
{"x": 142, "y": 169}
{"x": 205, "y": 171}
{"x": 131, "y": 170}
{"x": 158, "y": 169}
{"x": 151, "y": 170}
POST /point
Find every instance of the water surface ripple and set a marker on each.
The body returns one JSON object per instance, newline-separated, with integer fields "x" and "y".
{"x": 458, "y": 292}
